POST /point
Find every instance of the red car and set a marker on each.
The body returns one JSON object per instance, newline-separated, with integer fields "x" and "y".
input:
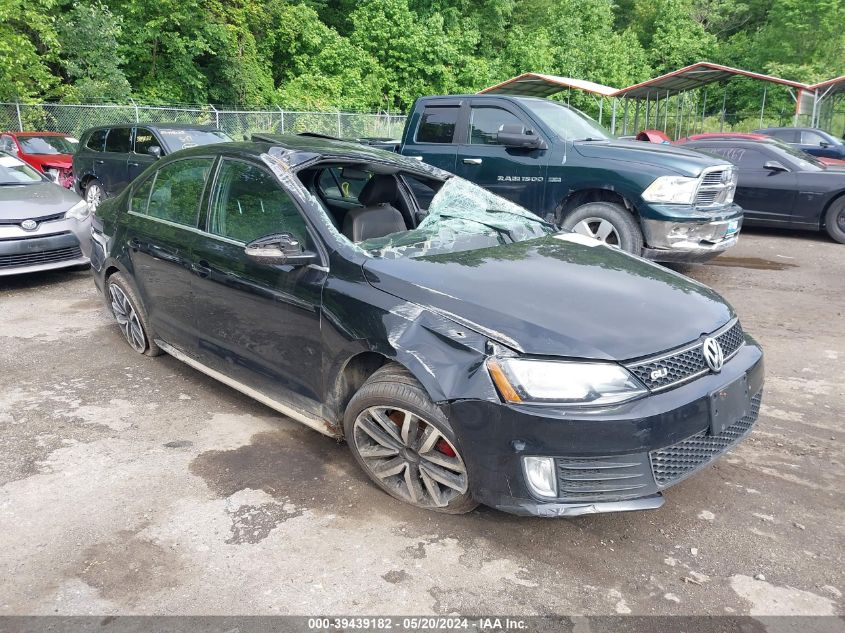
{"x": 51, "y": 153}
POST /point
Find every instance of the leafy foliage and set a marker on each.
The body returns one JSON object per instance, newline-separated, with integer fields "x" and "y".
{"x": 381, "y": 54}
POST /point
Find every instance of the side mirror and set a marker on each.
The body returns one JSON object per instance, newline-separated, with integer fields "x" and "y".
{"x": 824, "y": 144}
{"x": 515, "y": 135}
{"x": 279, "y": 249}
{"x": 773, "y": 165}
{"x": 154, "y": 151}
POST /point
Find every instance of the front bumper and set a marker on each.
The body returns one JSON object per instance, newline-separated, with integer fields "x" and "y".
{"x": 634, "y": 450}
{"x": 674, "y": 234}
{"x": 52, "y": 245}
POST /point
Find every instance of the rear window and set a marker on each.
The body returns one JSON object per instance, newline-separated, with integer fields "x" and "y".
{"x": 176, "y": 139}
{"x": 118, "y": 140}
{"x": 437, "y": 124}
{"x": 96, "y": 140}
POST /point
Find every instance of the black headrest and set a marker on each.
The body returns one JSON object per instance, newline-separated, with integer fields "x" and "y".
{"x": 367, "y": 222}
{"x": 380, "y": 189}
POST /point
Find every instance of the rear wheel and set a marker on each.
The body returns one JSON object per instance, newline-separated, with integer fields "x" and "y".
{"x": 94, "y": 194}
{"x": 405, "y": 443}
{"x": 607, "y": 222}
{"x": 130, "y": 315}
{"x": 835, "y": 221}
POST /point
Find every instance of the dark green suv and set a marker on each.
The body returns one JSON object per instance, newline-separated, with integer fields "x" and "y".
{"x": 661, "y": 201}
{"x": 109, "y": 158}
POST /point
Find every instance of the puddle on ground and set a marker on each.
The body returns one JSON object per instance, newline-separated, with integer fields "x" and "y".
{"x": 754, "y": 263}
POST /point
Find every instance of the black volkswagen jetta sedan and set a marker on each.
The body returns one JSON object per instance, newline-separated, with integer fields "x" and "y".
{"x": 466, "y": 350}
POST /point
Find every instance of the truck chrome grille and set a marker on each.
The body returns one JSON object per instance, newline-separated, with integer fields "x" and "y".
{"x": 675, "y": 368}
{"x": 674, "y": 463}
{"x": 715, "y": 187}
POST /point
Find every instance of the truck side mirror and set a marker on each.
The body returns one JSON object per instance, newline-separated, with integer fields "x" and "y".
{"x": 279, "y": 249}
{"x": 154, "y": 151}
{"x": 515, "y": 135}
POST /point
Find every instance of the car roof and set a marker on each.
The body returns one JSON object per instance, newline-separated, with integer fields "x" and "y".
{"x": 301, "y": 149}
{"x": 156, "y": 126}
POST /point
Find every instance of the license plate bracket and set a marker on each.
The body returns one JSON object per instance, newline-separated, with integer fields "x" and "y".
{"x": 729, "y": 404}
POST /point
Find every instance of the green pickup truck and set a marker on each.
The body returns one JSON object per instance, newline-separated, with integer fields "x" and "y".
{"x": 659, "y": 201}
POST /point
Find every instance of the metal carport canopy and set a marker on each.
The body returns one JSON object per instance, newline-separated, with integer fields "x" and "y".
{"x": 696, "y": 76}
{"x": 830, "y": 87}
{"x": 539, "y": 85}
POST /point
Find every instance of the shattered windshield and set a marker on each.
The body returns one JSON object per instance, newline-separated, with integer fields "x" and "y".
{"x": 461, "y": 217}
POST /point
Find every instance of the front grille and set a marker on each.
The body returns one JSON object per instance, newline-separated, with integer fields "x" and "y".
{"x": 713, "y": 188}
{"x": 40, "y": 257}
{"x": 676, "y": 462}
{"x": 44, "y": 218}
{"x": 604, "y": 478}
{"x": 686, "y": 363}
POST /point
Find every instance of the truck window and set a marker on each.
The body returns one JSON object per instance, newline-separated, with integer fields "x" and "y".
{"x": 437, "y": 124}
{"x": 486, "y": 121}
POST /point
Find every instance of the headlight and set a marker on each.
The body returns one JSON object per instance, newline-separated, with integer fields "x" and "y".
{"x": 80, "y": 211}
{"x": 563, "y": 382}
{"x": 671, "y": 189}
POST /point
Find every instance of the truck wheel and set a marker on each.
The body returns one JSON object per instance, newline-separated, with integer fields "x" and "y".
{"x": 405, "y": 443}
{"x": 607, "y": 222}
{"x": 834, "y": 220}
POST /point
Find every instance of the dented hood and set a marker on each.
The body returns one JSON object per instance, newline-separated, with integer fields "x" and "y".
{"x": 554, "y": 297}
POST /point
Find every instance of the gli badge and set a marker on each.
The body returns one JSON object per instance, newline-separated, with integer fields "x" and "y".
{"x": 29, "y": 225}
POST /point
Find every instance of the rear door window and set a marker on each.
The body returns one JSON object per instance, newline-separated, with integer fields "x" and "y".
{"x": 96, "y": 140}
{"x": 437, "y": 124}
{"x": 248, "y": 202}
{"x": 118, "y": 140}
{"x": 177, "y": 191}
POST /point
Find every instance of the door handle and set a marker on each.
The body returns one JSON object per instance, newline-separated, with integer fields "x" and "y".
{"x": 472, "y": 161}
{"x": 202, "y": 268}
{"x": 134, "y": 244}
{"x": 100, "y": 162}
{"x": 133, "y": 163}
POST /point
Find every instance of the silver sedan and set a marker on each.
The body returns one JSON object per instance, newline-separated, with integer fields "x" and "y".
{"x": 42, "y": 225}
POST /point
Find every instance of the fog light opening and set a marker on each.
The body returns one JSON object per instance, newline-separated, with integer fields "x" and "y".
{"x": 540, "y": 475}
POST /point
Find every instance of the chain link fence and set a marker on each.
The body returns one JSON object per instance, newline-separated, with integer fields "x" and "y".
{"x": 239, "y": 124}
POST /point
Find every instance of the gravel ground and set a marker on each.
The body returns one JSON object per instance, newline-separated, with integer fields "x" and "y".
{"x": 138, "y": 485}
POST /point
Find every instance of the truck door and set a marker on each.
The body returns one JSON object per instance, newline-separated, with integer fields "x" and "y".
{"x": 517, "y": 174}
{"x": 431, "y": 134}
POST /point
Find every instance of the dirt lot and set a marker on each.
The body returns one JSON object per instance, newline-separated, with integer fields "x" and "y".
{"x": 138, "y": 485}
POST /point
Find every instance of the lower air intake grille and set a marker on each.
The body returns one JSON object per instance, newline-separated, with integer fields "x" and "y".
{"x": 673, "y": 463}
{"x": 40, "y": 257}
{"x": 604, "y": 478}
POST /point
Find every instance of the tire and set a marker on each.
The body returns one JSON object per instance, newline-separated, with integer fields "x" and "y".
{"x": 834, "y": 220}
{"x": 392, "y": 426}
{"x": 130, "y": 315}
{"x": 94, "y": 193}
{"x": 594, "y": 218}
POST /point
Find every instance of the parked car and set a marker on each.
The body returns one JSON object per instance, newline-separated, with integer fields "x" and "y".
{"x": 742, "y": 136}
{"x": 467, "y": 350}
{"x": 811, "y": 140}
{"x": 51, "y": 153}
{"x": 42, "y": 225}
{"x": 782, "y": 186}
{"x": 110, "y": 157}
{"x": 663, "y": 202}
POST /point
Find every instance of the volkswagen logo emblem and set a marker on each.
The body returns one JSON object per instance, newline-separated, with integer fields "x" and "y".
{"x": 29, "y": 225}
{"x": 713, "y": 354}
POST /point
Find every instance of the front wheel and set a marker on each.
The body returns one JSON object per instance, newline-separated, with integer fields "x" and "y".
{"x": 607, "y": 222}
{"x": 405, "y": 443}
{"x": 835, "y": 221}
